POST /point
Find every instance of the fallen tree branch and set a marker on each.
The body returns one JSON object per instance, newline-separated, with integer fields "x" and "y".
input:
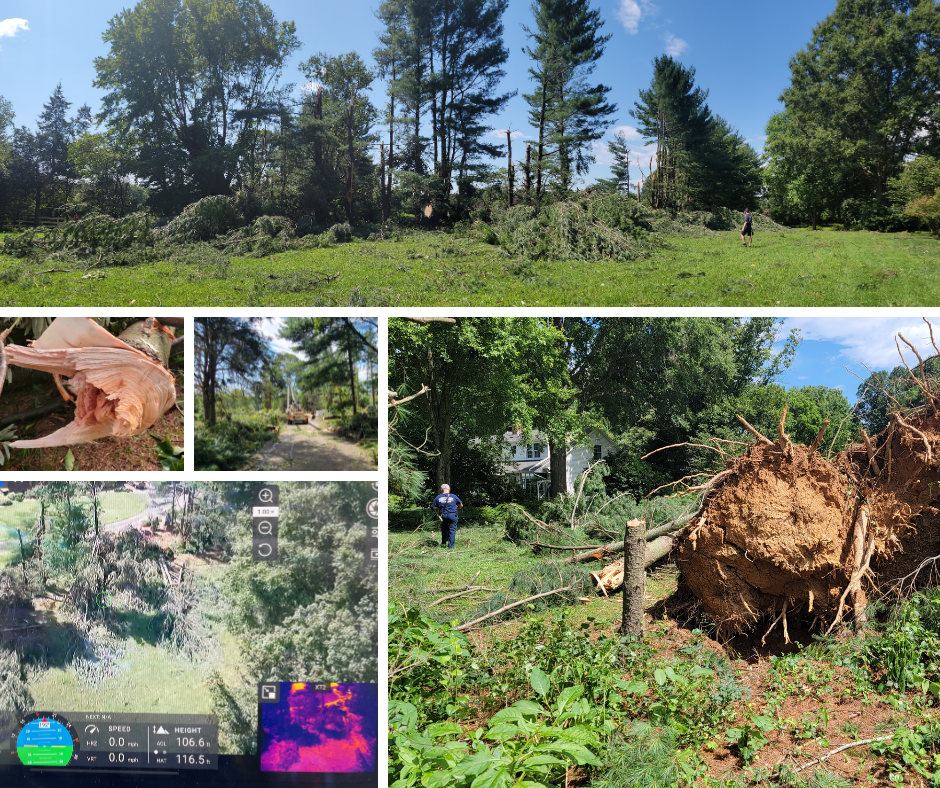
{"x": 544, "y": 546}
{"x": 655, "y": 549}
{"x": 504, "y": 608}
{"x": 535, "y": 521}
{"x": 423, "y": 321}
{"x": 459, "y": 588}
{"x": 843, "y": 747}
{"x": 584, "y": 475}
{"x": 470, "y": 590}
{"x": 35, "y": 413}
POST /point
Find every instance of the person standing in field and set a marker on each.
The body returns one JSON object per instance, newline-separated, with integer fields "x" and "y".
{"x": 748, "y": 229}
{"x": 446, "y": 506}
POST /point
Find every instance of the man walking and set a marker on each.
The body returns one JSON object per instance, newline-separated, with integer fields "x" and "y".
{"x": 446, "y": 506}
{"x": 748, "y": 229}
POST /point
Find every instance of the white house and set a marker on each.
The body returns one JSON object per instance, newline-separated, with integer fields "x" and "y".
{"x": 528, "y": 461}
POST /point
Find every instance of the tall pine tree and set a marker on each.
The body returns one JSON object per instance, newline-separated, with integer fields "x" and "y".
{"x": 569, "y": 112}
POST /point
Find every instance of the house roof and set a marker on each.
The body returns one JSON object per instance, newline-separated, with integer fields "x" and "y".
{"x": 527, "y": 466}
{"x": 512, "y": 437}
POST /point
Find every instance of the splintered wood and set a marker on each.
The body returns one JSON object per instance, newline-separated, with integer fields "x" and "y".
{"x": 610, "y": 578}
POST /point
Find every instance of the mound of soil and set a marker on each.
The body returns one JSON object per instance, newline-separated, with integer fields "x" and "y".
{"x": 784, "y": 529}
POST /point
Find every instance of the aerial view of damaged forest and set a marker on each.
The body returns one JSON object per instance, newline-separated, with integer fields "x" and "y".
{"x": 144, "y": 597}
{"x": 692, "y": 551}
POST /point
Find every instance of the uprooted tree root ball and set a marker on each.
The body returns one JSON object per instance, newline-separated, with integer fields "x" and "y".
{"x": 785, "y": 533}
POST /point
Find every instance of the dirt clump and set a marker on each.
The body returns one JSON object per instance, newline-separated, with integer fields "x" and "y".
{"x": 784, "y": 532}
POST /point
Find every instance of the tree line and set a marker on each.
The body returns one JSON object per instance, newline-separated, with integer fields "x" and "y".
{"x": 197, "y": 103}
{"x": 649, "y": 383}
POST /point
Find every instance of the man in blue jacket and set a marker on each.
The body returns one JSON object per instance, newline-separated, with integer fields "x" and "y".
{"x": 446, "y": 506}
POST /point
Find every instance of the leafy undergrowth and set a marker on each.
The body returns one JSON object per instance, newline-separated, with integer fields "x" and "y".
{"x": 230, "y": 443}
{"x": 434, "y": 268}
{"x": 561, "y": 699}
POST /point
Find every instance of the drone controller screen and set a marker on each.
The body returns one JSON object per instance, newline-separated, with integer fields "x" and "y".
{"x": 193, "y": 633}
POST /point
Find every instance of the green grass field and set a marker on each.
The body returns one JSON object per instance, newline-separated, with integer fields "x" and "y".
{"x": 793, "y": 268}
{"x": 419, "y": 568}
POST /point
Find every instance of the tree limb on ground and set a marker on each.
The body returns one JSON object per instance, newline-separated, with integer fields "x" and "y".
{"x": 470, "y": 590}
{"x": 545, "y": 546}
{"x": 423, "y": 321}
{"x": 655, "y": 549}
{"x": 458, "y": 588}
{"x": 504, "y": 608}
{"x": 35, "y": 413}
{"x": 848, "y": 746}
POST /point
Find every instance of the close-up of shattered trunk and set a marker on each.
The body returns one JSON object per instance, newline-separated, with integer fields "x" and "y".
{"x": 120, "y": 385}
{"x": 785, "y": 534}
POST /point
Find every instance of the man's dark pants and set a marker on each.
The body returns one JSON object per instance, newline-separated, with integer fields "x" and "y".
{"x": 448, "y": 531}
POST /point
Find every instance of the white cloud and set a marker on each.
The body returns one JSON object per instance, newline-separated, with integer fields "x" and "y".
{"x": 10, "y": 27}
{"x": 869, "y": 341}
{"x": 631, "y": 12}
{"x": 629, "y": 15}
{"x": 675, "y": 46}
{"x": 270, "y": 328}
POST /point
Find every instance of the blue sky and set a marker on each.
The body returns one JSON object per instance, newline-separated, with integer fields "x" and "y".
{"x": 830, "y": 344}
{"x": 740, "y": 51}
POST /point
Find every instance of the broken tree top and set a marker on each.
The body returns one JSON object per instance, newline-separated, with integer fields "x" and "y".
{"x": 119, "y": 388}
{"x": 783, "y": 531}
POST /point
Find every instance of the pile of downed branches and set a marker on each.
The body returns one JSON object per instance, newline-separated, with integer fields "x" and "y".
{"x": 783, "y": 532}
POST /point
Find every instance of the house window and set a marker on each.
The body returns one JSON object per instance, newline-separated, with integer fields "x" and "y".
{"x": 529, "y": 452}
{"x": 538, "y": 449}
{"x": 598, "y": 452}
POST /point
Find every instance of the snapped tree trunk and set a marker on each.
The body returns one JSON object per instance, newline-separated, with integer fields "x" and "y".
{"x": 634, "y": 578}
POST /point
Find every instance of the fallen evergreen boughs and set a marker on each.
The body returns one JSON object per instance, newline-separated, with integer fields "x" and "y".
{"x": 587, "y": 229}
{"x": 88, "y": 236}
{"x": 600, "y": 226}
{"x": 203, "y": 220}
{"x": 539, "y": 579}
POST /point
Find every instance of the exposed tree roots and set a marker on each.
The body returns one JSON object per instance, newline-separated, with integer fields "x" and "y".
{"x": 784, "y": 532}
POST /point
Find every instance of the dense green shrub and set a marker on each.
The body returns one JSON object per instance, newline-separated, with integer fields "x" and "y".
{"x": 908, "y": 650}
{"x": 339, "y": 234}
{"x": 927, "y": 209}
